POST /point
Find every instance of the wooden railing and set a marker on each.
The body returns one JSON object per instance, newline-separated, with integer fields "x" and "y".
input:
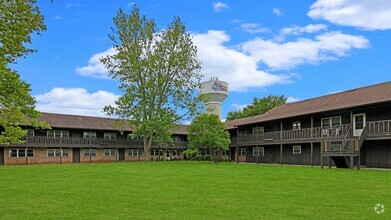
{"x": 378, "y": 128}
{"x": 340, "y": 146}
{"x": 77, "y": 141}
{"x": 336, "y": 132}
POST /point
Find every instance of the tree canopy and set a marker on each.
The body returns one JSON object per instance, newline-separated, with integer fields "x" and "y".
{"x": 257, "y": 107}
{"x": 158, "y": 73}
{"x": 18, "y": 20}
{"x": 207, "y": 131}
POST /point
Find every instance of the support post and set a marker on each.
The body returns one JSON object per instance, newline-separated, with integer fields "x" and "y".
{"x": 351, "y": 162}
{"x": 237, "y": 144}
{"x": 60, "y": 154}
{"x": 116, "y": 154}
{"x": 312, "y": 154}
{"x": 329, "y": 162}
{"x": 358, "y": 162}
{"x": 281, "y": 154}
{"x": 257, "y": 155}
{"x": 321, "y": 161}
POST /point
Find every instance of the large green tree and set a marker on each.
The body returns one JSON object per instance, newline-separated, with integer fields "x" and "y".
{"x": 208, "y": 132}
{"x": 18, "y": 20}
{"x": 257, "y": 107}
{"x": 158, "y": 73}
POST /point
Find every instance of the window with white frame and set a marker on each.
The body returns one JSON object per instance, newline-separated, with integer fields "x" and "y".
{"x": 90, "y": 152}
{"x": 109, "y": 152}
{"x": 57, "y": 152}
{"x": 258, "y": 151}
{"x": 176, "y": 138}
{"x": 258, "y": 130}
{"x": 331, "y": 121}
{"x": 89, "y": 134}
{"x": 109, "y": 136}
{"x": 21, "y": 152}
{"x": 135, "y": 152}
{"x": 296, "y": 125}
{"x": 242, "y": 133}
{"x": 154, "y": 152}
{"x": 29, "y": 132}
{"x": 242, "y": 151}
{"x": 57, "y": 134}
{"x": 296, "y": 149}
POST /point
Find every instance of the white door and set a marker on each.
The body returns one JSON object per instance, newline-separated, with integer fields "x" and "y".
{"x": 358, "y": 124}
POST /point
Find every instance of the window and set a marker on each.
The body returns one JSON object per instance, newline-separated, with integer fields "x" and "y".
{"x": 21, "y": 152}
{"x": 56, "y": 152}
{"x": 176, "y": 138}
{"x": 135, "y": 152}
{"x": 89, "y": 152}
{"x": 242, "y": 151}
{"x": 57, "y": 134}
{"x": 296, "y": 125}
{"x": 30, "y": 133}
{"x": 296, "y": 149}
{"x": 258, "y": 130}
{"x": 154, "y": 152}
{"x": 331, "y": 121}
{"x": 258, "y": 151}
{"x": 226, "y": 153}
{"x": 242, "y": 133}
{"x": 110, "y": 152}
{"x": 89, "y": 134}
{"x": 110, "y": 136}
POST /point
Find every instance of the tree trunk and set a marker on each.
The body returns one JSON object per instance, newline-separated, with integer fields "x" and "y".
{"x": 147, "y": 148}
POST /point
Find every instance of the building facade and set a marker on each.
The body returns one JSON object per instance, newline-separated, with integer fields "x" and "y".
{"x": 346, "y": 129}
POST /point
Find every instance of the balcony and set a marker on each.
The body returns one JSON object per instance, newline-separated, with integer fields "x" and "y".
{"x": 43, "y": 141}
{"x": 302, "y": 135}
{"x": 378, "y": 129}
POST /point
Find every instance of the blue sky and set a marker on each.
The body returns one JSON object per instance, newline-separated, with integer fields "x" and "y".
{"x": 300, "y": 49}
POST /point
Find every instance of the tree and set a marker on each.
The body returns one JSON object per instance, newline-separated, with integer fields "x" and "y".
{"x": 18, "y": 20}
{"x": 257, "y": 107}
{"x": 207, "y": 131}
{"x": 158, "y": 73}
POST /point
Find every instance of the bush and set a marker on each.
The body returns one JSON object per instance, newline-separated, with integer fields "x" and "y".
{"x": 191, "y": 153}
{"x": 207, "y": 157}
{"x": 199, "y": 157}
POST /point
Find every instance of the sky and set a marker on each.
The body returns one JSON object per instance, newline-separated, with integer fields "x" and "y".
{"x": 300, "y": 49}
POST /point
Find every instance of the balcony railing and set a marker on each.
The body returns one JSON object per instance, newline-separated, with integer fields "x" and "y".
{"x": 94, "y": 142}
{"x": 334, "y": 132}
{"x": 378, "y": 128}
{"x": 346, "y": 146}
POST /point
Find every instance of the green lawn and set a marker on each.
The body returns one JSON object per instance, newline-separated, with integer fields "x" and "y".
{"x": 191, "y": 190}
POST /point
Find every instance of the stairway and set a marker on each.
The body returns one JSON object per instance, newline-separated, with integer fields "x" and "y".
{"x": 341, "y": 161}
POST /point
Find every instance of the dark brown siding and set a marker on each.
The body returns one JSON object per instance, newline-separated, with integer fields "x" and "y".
{"x": 271, "y": 153}
{"x": 1, "y": 156}
{"x": 377, "y": 153}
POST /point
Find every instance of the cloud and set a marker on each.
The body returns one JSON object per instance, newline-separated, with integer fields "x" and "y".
{"x": 277, "y": 12}
{"x": 95, "y": 68}
{"x": 238, "y": 106}
{"x": 219, "y": 6}
{"x": 228, "y": 64}
{"x": 363, "y": 14}
{"x": 73, "y": 5}
{"x": 296, "y": 30}
{"x": 285, "y": 56}
{"x": 237, "y": 21}
{"x": 254, "y": 28}
{"x": 291, "y": 99}
{"x": 131, "y": 4}
{"x": 57, "y": 17}
{"x": 77, "y": 101}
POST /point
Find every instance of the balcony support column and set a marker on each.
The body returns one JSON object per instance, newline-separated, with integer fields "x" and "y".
{"x": 329, "y": 162}
{"x": 60, "y": 154}
{"x": 312, "y": 154}
{"x": 351, "y": 162}
{"x": 321, "y": 161}
{"x": 281, "y": 154}
{"x": 237, "y": 145}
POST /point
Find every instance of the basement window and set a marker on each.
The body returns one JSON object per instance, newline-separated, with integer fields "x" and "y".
{"x": 296, "y": 149}
{"x": 89, "y": 152}
{"x": 134, "y": 152}
{"x": 53, "y": 152}
{"x": 21, "y": 152}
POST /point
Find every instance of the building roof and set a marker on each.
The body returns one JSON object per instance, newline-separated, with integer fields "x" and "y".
{"x": 89, "y": 122}
{"x": 374, "y": 94}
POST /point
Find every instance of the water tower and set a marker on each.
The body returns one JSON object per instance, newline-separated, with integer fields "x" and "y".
{"x": 217, "y": 92}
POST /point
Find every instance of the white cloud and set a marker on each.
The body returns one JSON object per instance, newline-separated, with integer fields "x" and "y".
{"x": 236, "y": 21}
{"x": 254, "y": 28}
{"x": 296, "y": 30}
{"x": 284, "y": 56}
{"x": 95, "y": 68}
{"x": 277, "y": 12}
{"x": 363, "y": 14}
{"x": 131, "y": 4}
{"x": 73, "y": 5}
{"x": 57, "y": 17}
{"x": 291, "y": 99}
{"x": 238, "y": 106}
{"x": 219, "y": 6}
{"x": 77, "y": 101}
{"x": 228, "y": 64}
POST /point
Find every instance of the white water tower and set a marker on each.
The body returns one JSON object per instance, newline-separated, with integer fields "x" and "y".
{"x": 217, "y": 92}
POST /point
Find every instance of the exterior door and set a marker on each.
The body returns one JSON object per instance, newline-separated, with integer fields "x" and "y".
{"x": 1, "y": 156}
{"x": 358, "y": 124}
{"x": 121, "y": 154}
{"x": 76, "y": 155}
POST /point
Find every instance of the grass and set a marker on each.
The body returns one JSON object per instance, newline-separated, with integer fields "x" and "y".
{"x": 191, "y": 190}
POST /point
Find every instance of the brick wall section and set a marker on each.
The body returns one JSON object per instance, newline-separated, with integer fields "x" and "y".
{"x": 99, "y": 158}
{"x": 40, "y": 157}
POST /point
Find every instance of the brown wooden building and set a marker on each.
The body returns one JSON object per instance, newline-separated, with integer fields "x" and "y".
{"x": 345, "y": 129}
{"x": 84, "y": 139}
